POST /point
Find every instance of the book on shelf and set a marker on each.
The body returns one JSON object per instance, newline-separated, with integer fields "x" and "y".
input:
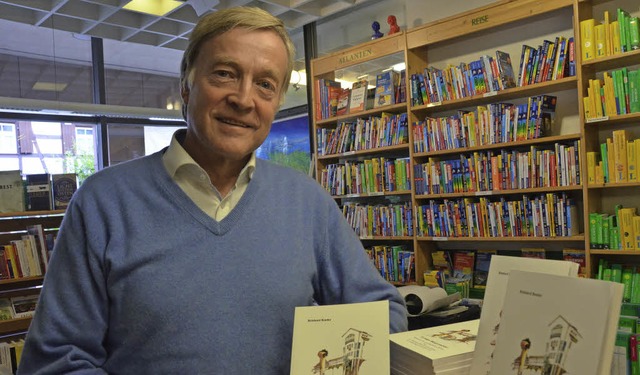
{"x": 24, "y": 306}
{"x": 385, "y": 91}
{"x": 64, "y": 185}
{"x": 39, "y": 192}
{"x": 6, "y": 309}
{"x": 358, "y": 97}
{"x": 481, "y": 271}
{"x": 10, "y": 355}
{"x": 39, "y": 238}
{"x": 343, "y": 102}
{"x": 11, "y": 191}
{"x": 353, "y": 337}
{"x": 445, "y": 349}
{"x": 505, "y": 68}
{"x": 490, "y": 316}
{"x": 557, "y": 324}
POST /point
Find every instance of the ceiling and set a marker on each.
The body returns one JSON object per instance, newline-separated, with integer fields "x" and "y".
{"x": 109, "y": 20}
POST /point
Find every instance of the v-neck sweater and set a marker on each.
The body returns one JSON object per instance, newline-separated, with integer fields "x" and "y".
{"x": 141, "y": 281}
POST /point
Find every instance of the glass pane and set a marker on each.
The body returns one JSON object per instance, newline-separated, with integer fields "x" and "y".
{"x": 141, "y": 75}
{"x": 54, "y": 66}
{"x": 126, "y": 142}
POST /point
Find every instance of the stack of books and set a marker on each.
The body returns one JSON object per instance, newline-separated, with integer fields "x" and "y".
{"x": 446, "y": 349}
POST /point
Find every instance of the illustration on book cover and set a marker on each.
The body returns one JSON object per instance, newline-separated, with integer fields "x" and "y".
{"x": 349, "y": 361}
{"x": 552, "y": 354}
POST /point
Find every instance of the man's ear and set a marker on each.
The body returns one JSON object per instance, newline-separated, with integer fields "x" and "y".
{"x": 185, "y": 95}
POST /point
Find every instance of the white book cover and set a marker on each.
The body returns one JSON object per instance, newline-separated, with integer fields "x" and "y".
{"x": 557, "y": 325}
{"x": 342, "y": 339}
{"x": 11, "y": 191}
{"x": 499, "y": 270}
{"x": 437, "y": 345}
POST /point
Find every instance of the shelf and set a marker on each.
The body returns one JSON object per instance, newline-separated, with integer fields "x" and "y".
{"x": 614, "y": 185}
{"x": 505, "y": 239}
{"x": 370, "y": 195}
{"x": 29, "y": 214}
{"x": 548, "y": 189}
{"x": 20, "y": 283}
{"x": 494, "y": 146}
{"x": 614, "y": 120}
{"x": 13, "y": 326}
{"x": 498, "y": 96}
{"x": 369, "y": 151}
{"x": 394, "y": 108}
{"x": 613, "y": 62}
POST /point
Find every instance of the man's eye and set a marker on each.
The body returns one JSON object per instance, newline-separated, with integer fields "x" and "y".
{"x": 223, "y": 73}
{"x": 267, "y": 86}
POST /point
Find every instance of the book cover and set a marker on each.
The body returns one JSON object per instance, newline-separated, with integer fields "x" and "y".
{"x": 24, "y": 306}
{"x": 385, "y": 88}
{"x": 358, "y": 96}
{"x": 555, "y": 324}
{"x": 481, "y": 272}
{"x": 343, "y": 102}
{"x": 507, "y": 76}
{"x": 64, "y": 185}
{"x": 39, "y": 192}
{"x": 350, "y": 338}
{"x": 6, "y": 309}
{"x": 490, "y": 315}
{"x": 11, "y": 191}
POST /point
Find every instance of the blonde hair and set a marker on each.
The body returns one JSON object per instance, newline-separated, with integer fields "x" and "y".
{"x": 219, "y": 22}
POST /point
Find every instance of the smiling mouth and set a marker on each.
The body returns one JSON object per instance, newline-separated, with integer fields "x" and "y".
{"x": 234, "y": 123}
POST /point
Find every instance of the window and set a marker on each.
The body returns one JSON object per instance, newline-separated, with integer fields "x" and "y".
{"x": 8, "y": 140}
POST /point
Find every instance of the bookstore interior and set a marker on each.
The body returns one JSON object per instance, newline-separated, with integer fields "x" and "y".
{"x": 485, "y": 152}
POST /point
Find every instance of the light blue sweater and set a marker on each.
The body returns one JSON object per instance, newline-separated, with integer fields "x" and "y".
{"x": 141, "y": 281}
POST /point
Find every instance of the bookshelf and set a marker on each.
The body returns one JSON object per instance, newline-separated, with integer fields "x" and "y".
{"x": 505, "y": 26}
{"x": 13, "y": 226}
{"x": 361, "y": 175}
{"x": 603, "y": 196}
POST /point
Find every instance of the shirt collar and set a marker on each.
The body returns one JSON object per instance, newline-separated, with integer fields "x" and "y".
{"x": 176, "y": 157}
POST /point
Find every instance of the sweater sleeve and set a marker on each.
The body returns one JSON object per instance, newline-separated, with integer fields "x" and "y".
{"x": 70, "y": 321}
{"x": 347, "y": 275}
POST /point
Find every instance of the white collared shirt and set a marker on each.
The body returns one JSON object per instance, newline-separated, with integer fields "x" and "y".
{"x": 195, "y": 181}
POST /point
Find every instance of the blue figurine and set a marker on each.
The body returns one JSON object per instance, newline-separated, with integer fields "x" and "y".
{"x": 376, "y": 30}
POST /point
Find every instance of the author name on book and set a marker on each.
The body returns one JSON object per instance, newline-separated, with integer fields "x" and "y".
{"x": 532, "y": 294}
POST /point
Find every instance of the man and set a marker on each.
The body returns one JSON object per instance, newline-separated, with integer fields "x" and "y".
{"x": 193, "y": 259}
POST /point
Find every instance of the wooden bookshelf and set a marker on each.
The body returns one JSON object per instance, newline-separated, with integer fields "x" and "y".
{"x": 12, "y": 226}
{"x": 477, "y": 32}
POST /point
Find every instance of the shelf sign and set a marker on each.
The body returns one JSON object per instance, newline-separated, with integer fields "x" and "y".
{"x": 479, "y": 20}
{"x": 355, "y": 56}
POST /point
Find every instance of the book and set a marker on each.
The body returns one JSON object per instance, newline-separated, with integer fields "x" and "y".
{"x": 505, "y": 68}
{"x": 38, "y": 192}
{"x": 557, "y": 324}
{"x": 11, "y": 191}
{"x": 24, "y": 306}
{"x": 434, "y": 350}
{"x": 386, "y": 83}
{"x": 358, "y": 97}
{"x": 353, "y": 337}
{"x": 6, "y": 309}
{"x": 490, "y": 316}
{"x": 63, "y": 185}
{"x": 481, "y": 271}
{"x": 343, "y": 102}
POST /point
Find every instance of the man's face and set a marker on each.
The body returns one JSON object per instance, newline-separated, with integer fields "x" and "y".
{"x": 234, "y": 95}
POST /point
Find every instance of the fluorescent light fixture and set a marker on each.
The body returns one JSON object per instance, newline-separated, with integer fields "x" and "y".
{"x": 399, "y": 67}
{"x": 154, "y": 7}
{"x": 49, "y": 86}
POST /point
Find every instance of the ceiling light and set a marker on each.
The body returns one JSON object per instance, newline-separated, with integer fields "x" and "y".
{"x": 49, "y": 86}
{"x": 154, "y": 7}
